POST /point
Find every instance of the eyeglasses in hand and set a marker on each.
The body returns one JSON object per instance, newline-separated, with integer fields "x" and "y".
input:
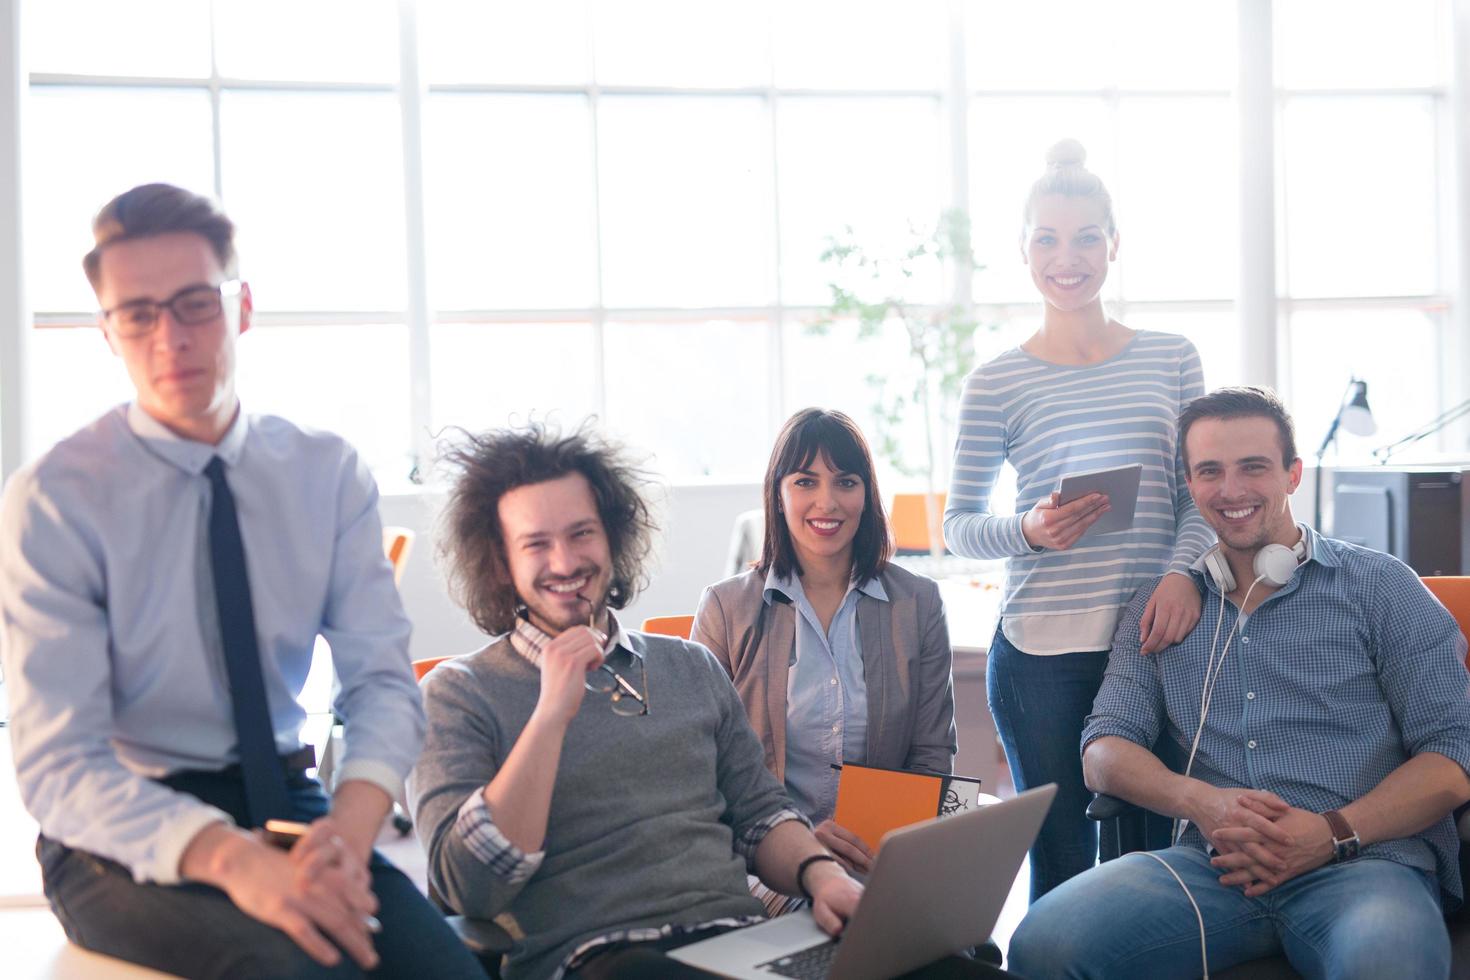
{"x": 624, "y": 697}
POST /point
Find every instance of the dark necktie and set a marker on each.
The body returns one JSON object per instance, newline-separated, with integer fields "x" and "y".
{"x": 260, "y": 766}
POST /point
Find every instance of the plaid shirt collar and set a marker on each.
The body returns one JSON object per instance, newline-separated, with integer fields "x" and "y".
{"x": 529, "y": 640}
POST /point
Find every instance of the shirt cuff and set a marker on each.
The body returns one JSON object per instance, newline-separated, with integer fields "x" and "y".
{"x": 476, "y": 827}
{"x": 380, "y": 774}
{"x": 174, "y": 841}
{"x": 747, "y": 842}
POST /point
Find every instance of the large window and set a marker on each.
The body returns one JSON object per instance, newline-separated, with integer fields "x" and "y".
{"x": 617, "y": 207}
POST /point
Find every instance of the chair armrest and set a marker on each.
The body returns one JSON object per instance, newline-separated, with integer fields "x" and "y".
{"x": 1104, "y": 807}
{"x": 480, "y": 936}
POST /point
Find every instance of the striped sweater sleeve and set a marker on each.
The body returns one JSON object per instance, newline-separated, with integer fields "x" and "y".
{"x": 970, "y": 529}
{"x": 1192, "y": 535}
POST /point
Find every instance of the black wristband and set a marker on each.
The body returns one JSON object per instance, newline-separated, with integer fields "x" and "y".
{"x": 801, "y": 870}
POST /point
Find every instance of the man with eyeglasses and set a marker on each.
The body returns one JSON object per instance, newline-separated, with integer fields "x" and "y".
{"x": 164, "y": 575}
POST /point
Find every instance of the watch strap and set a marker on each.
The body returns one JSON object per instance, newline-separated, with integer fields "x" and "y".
{"x": 1345, "y": 843}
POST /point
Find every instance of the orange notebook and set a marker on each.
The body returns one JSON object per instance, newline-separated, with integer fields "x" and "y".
{"x": 871, "y": 802}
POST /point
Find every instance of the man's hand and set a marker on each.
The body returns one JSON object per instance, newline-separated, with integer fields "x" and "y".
{"x": 1171, "y": 613}
{"x": 315, "y": 902}
{"x": 846, "y": 846}
{"x": 1310, "y": 848}
{"x": 834, "y": 895}
{"x": 564, "y": 666}
{"x": 1211, "y": 809}
{"x": 1057, "y": 526}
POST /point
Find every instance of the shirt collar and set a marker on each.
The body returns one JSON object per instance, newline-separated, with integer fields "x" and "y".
{"x": 790, "y": 587}
{"x": 530, "y": 640}
{"x": 187, "y": 454}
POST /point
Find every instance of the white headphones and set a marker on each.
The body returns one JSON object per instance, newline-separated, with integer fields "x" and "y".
{"x": 1274, "y": 564}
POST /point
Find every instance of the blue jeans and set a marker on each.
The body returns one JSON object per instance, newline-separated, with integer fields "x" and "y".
{"x": 1366, "y": 918}
{"x": 1039, "y": 704}
{"x": 194, "y": 930}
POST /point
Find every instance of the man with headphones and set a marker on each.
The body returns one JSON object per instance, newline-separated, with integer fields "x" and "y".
{"x": 1324, "y": 707}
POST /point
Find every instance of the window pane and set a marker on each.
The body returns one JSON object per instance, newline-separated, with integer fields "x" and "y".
{"x": 1177, "y": 211}
{"x": 717, "y": 44}
{"x": 323, "y": 40}
{"x": 1082, "y": 44}
{"x": 686, "y": 201}
{"x": 505, "y": 41}
{"x": 666, "y": 382}
{"x": 315, "y": 182}
{"x": 834, "y": 174}
{"x": 831, "y": 367}
{"x": 488, "y": 375}
{"x": 1327, "y": 349}
{"x": 1164, "y": 44}
{"x": 1361, "y": 197}
{"x": 1215, "y": 335}
{"x": 1320, "y": 43}
{"x": 1009, "y": 138}
{"x": 152, "y": 38}
{"x": 1020, "y": 45}
{"x": 348, "y": 379}
{"x": 75, "y": 378}
{"x": 860, "y": 44}
{"x": 82, "y": 148}
{"x": 508, "y": 189}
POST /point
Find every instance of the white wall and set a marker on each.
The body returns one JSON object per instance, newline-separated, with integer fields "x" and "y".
{"x": 696, "y": 522}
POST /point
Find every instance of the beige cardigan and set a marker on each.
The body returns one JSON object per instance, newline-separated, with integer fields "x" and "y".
{"x": 906, "y": 665}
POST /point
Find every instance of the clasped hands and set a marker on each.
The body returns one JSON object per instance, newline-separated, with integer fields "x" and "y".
{"x": 1260, "y": 840}
{"x": 319, "y": 892}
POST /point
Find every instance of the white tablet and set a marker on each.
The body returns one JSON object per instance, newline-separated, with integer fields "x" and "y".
{"x": 1120, "y": 484}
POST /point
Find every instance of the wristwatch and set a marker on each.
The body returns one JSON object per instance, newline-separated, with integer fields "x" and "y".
{"x": 1345, "y": 843}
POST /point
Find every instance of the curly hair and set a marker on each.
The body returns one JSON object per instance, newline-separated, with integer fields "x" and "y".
{"x": 487, "y": 466}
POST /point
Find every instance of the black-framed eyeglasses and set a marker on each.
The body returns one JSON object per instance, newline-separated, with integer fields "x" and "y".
{"x": 623, "y": 697}
{"x": 191, "y": 306}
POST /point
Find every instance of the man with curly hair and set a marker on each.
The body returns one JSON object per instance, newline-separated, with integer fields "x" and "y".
{"x": 599, "y": 784}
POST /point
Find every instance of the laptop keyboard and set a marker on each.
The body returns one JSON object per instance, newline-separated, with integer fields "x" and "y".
{"x": 811, "y": 963}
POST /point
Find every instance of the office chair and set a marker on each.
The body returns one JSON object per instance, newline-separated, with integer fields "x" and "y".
{"x": 1128, "y": 825}
{"x": 909, "y": 519}
{"x": 680, "y": 626}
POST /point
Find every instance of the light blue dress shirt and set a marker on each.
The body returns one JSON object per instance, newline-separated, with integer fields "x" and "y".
{"x": 826, "y": 696}
{"x": 113, "y": 663}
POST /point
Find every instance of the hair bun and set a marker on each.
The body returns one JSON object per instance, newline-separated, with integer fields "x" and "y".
{"x": 1066, "y": 153}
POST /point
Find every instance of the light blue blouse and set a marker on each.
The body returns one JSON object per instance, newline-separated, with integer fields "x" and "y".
{"x": 826, "y": 696}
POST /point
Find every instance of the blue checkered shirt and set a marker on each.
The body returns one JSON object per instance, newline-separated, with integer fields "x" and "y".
{"x": 1330, "y": 684}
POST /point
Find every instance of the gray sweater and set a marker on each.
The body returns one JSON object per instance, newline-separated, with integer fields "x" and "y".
{"x": 644, "y": 813}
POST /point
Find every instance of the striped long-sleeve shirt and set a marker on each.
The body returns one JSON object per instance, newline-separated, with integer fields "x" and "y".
{"x": 1050, "y": 420}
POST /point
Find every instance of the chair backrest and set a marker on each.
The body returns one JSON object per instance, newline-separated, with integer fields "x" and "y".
{"x": 1454, "y": 592}
{"x": 910, "y": 521}
{"x": 422, "y": 667}
{"x": 397, "y": 542}
{"x": 680, "y": 626}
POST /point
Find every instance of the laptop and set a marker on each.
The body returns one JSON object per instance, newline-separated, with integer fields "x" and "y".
{"x": 937, "y": 887}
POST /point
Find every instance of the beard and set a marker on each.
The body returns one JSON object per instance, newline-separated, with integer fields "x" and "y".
{"x": 587, "y": 607}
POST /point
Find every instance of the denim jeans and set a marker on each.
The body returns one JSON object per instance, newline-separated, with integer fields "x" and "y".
{"x": 1039, "y": 704}
{"x": 194, "y": 930}
{"x": 1367, "y": 918}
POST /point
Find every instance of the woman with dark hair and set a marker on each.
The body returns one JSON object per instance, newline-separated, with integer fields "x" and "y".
{"x": 838, "y": 655}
